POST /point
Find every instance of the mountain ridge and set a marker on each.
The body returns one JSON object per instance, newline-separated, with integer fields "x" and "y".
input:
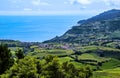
{"x": 104, "y": 26}
{"x": 110, "y": 14}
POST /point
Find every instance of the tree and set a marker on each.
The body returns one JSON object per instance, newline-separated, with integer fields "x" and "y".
{"x": 88, "y": 72}
{"x": 49, "y": 58}
{"x": 6, "y": 60}
{"x": 25, "y": 68}
{"x": 52, "y": 68}
{"x": 102, "y": 55}
{"x": 76, "y": 58}
{"x": 19, "y": 54}
{"x": 49, "y": 67}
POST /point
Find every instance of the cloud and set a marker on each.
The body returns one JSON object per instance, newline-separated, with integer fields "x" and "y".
{"x": 27, "y": 9}
{"x": 39, "y": 2}
{"x": 14, "y": 1}
{"x": 65, "y": 2}
{"x": 112, "y": 2}
{"x": 83, "y": 2}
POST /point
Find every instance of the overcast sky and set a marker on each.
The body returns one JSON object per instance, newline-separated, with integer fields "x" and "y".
{"x": 56, "y": 7}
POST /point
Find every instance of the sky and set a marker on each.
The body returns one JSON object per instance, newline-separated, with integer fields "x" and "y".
{"x": 56, "y": 7}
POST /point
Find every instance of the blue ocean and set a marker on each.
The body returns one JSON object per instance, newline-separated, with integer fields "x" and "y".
{"x": 35, "y": 28}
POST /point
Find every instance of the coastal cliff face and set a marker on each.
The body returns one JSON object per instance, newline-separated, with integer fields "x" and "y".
{"x": 103, "y": 27}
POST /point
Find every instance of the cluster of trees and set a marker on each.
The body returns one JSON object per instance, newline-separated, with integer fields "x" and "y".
{"x": 6, "y": 60}
{"x": 33, "y": 67}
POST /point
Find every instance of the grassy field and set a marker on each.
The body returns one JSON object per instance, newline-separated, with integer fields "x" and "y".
{"x": 96, "y": 48}
{"x": 91, "y": 58}
{"x": 56, "y": 52}
{"x": 109, "y": 73}
{"x": 112, "y": 63}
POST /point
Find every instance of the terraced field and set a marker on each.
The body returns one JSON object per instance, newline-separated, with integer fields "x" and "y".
{"x": 109, "y": 73}
{"x": 60, "y": 53}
